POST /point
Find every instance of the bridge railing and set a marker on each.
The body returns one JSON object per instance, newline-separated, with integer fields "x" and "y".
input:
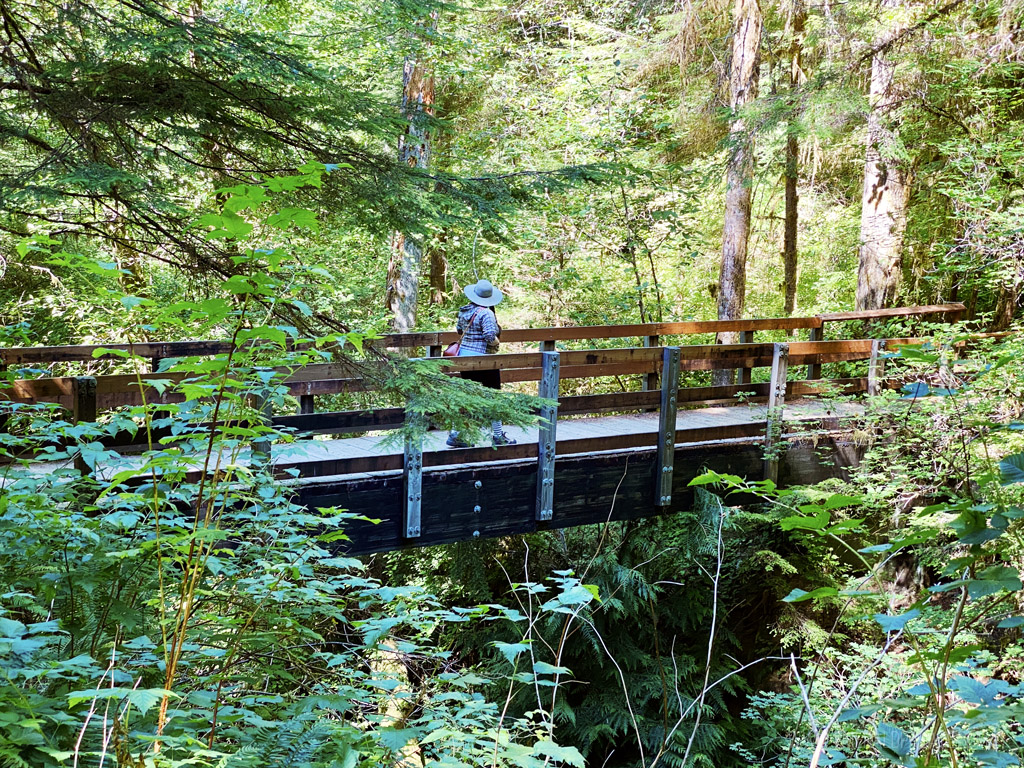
{"x": 87, "y": 396}
{"x": 432, "y": 342}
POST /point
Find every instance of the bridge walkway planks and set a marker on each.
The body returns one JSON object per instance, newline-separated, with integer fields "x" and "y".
{"x": 314, "y": 457}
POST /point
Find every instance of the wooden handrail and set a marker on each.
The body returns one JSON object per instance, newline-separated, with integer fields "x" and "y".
{"x": 332, "y": 378}
{"x": 28, "y": 356}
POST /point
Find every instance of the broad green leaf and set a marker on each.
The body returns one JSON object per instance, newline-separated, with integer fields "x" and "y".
{"x": 511, "y": 650}
{"x": 799, "y": 595}
{"x": 1011, "y": 469}
{"x": 895, "y": 623}
{"x": 894, "y": 744}
{"x": 563, "y": 755}
{"x": 813, "y": 523}
{"x": 993, "y": 759}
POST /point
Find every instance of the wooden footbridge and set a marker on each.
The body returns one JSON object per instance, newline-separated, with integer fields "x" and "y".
{"x": 596, "y": 457}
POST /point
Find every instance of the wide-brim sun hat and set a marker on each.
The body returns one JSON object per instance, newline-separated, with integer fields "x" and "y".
{"x": 483, "y": 293}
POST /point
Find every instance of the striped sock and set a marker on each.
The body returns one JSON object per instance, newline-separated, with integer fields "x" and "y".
{"x": 497, "y": 430}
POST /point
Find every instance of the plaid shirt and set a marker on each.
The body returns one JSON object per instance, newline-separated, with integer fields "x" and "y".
{"x": 479, "y": 329}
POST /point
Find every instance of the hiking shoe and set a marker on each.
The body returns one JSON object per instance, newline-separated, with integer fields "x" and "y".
{"x": 454, "y": 441}
{"x": 503, "y": 440}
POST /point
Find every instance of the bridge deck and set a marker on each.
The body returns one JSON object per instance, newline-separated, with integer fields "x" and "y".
{"x": 483, "y": 499}
{"x": 345, "y": 458}
{"x": 578, "y": 435}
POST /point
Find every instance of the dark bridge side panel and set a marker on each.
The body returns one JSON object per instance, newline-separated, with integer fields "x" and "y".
{"x": 499, "y": 499}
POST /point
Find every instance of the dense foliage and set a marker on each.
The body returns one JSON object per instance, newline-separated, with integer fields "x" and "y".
{"x": 231, "y": 170}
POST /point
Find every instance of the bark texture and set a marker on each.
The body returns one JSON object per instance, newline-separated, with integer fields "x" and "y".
{"x": 797, "y": 16}
{"x": 883, "y": 219}
{"x": 402, "y": 294}
{"x": 743, "y": 81}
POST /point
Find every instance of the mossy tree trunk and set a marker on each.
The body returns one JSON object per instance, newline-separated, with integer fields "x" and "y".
{"x": 883, "y": 220}
{"x": 404, "y": 267}
{"x": 743, "y": 80}
{"x": 796, "y": 18}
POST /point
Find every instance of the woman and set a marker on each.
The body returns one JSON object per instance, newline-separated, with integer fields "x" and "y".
{"x": 479, "y": 329}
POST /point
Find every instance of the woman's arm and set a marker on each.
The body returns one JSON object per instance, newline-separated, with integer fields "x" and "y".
{"x": 489, "y": 326}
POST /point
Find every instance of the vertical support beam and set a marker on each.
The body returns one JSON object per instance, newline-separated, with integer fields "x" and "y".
{"x": 154, "y": 364}
{"x": 776, "y": 403}
{"x": 435, "y": 350}
{"x": 412, "y": 478}
{"x": 651, "y": 379}
{"x": 83, "y": 404}
{"x": 548, "y": 345}
{"x": 83, "y": 391}
{"x": 546, "y": 436}
{"x": 746, "y": 337}
{"x": 876, "y": 367}
{"x": 261, "y": 446}
{"x": 307, "y": 404}
{"x": 814, "y": 369}
{"x": 667, "y": 426}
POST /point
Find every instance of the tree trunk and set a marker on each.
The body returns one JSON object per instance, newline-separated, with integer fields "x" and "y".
{"x": 1006, "y": 306}
{"x": 414, "y": 150}
{"x": 743, "y": 76}
{"x": 795, "y": 22}
{"x": 883, "y": 219}
{"x": 439, "y": 271}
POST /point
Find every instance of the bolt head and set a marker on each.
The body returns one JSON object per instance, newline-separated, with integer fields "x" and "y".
{"x": 478, "y": 485}
{"x": 476, "y": 509}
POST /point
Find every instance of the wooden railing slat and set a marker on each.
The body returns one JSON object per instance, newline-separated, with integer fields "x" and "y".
{"x": 28, "y": 356}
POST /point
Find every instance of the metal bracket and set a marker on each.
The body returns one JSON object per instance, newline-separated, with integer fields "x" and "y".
{"x": 412, "y": 480}
{"x": 667, "y": 425}
{"x": 546, "y": 436}
{"x": 876, "y": 367}
{"x": 776, "y": 402}
{"x": 84, "y": 405}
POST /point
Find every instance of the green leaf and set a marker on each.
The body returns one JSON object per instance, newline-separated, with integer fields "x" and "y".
{"x": 994, "y": 579}
{"x": 511, "y": 650}
{"x": 993, "y": 759}
{"x": 799, "y": 595}
{"x": 895, "y": 745}
{"x": 1011, "y": 623}
{"x": 566, "y": 755}
{"x": 813, "y": 523}
{"x": 1011, "y": 469}
{"x": 838, "y": 500}
{"x": 895, "y": 623}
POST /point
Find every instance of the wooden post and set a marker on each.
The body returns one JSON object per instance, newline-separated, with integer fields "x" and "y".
{"x": 306, "y": 404}
{"x": 412, "y": 479}
{"x": 876, "y": 367}
{"x": 746, "y": 337}
{"x": 83, "y": 400}
{"x": 261, "y": 445}
{"x": 546, "y": 436}
{"x": 814, "y": 369}
{"x": 776, "y": 402}
{"x": 154, "y": 364}
{"x": 651, "y": 379}
{"x": 667, "y": 426}
{"x": 435, "y": 350}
